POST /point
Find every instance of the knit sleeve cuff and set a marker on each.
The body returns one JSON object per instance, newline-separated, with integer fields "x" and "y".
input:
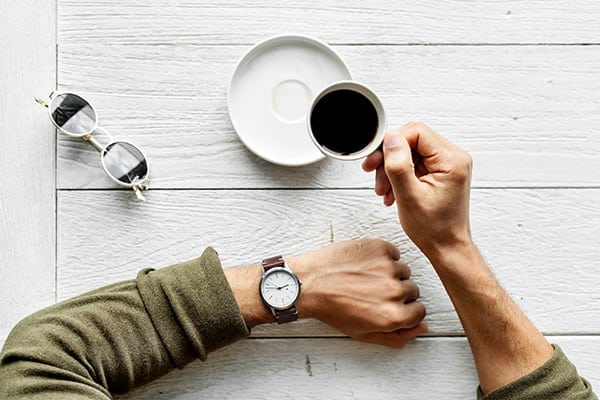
{"x": 556, "y": 379}
{"x": 192, "y": 307}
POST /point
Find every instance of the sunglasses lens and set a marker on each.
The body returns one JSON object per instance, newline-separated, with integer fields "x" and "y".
{"x": 125, "y": 163}
{"x": 73, "y": 114}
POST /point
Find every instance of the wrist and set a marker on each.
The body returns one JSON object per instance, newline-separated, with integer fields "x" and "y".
{"x": 463, "y": 268}
{"x": 244, "y": 283}
{"x": 460, "y": 257}
{"x": 301, "y": 265}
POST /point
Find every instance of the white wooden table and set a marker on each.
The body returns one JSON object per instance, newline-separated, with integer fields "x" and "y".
{"x": 515, "y": 83}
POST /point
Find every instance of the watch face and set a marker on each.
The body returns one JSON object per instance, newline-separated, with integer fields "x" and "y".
{"x": 279, "y": 288}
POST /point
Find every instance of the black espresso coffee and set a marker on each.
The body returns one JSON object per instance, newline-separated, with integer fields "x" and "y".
{"x": 344, "y": 121}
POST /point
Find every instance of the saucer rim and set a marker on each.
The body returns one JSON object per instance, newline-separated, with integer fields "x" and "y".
{"x": 257, "y": 47}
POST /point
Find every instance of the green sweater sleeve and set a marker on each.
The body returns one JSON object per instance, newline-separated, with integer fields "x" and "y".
{"x": 557, "y": 379}
{"x": 121, "y": 336}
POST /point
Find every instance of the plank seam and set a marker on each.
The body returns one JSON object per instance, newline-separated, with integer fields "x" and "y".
{"x": 191, "y": 189}
{"x": 410, "y": 44}
{"x": 56, "y": 145}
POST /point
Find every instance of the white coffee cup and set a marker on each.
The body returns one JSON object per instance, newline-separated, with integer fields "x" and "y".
{"x": 346, "y": 121}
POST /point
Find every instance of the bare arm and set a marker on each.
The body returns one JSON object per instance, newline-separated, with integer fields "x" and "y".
{"x": 429, "y": 179}
{"x": 505, "y": 344}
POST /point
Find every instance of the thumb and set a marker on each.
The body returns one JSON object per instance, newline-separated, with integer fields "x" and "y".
{"x": 399, "y": 165}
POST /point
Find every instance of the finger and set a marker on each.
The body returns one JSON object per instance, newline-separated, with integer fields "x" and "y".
{"x": 388, "y": 198}
{"x": 373, "y": 161}
{"x": 401, "y": 270}
{"x": 395, "y": 270}
{"x": 410, "y": 291}
{"x": 423, "y": 139}
{"x": 414, "y": 313}
{"x": 396, "y": 339}
{"x": 437, "y": 152}
{"x": 399, "y": 167}
{"x": 382, "y": 183}
{"x": 411, "y": 333}
{"x": 392, "y": 250}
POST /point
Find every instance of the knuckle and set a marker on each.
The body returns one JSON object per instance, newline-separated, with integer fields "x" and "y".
{"x": 394, "y": 289}
{"x": 375, "y": 245}
{"x": 355, "y": 247}
{"x": 420, "y": 312}
{"x": 405, "y": 270}
{"x": 393, "y": 322}
{"x": 421, "y": 125}
{"x": 364, "y": 241}
{"x": 395, "y": 317}
{"x": 395, "y": 168}
{"x": 409, "y": 286}
{"x": 467, "y": 162}
{"x": 384, "y": 246}
{"x": 415, "y": 290}
{"x": 410, "y": 316}
{"x": 464, "y": 166}
{"x": 416, "y": 125}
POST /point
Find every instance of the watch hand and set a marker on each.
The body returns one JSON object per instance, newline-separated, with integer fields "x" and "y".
{"x": 281, "y": 287}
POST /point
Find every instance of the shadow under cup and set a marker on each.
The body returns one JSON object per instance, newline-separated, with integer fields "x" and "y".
{"x": 346, "y": 121}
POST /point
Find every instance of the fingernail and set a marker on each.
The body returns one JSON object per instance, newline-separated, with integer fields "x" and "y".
{"x": 392, "y": 141}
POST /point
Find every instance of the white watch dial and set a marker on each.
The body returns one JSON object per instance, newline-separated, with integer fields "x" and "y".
{"x": 279, "y": 288}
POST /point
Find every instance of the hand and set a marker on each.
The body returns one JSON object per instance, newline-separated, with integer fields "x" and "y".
{"x": 429, "y": 178}
{"x": 362, "y": 289}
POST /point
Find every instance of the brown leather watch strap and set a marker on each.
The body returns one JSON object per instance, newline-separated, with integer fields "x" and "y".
{"x": 273, "y": 262}
{"x": 289, "y": 315}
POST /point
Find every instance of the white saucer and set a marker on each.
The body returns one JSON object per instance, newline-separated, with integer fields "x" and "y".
{"x": 271, "y": 91}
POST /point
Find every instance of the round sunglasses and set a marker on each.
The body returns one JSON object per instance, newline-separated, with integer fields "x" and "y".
{"x": 123, "y": 162}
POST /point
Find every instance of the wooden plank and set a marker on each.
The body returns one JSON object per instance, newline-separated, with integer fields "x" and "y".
{"x": 542, "y": 244}
{"x": 354, "y": 21}
{"x": 342, "y": 369}
{"x": 528, "y": 115}
{"x": 27, "y": 167}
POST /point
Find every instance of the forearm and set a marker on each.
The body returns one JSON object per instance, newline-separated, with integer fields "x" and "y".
{"x": 115, "y": 338}
{"x": 504, "y": 343}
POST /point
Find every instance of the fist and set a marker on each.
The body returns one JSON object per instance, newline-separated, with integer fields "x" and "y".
{"x": 363, "y": 289}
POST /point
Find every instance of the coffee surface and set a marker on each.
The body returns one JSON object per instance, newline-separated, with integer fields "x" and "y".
{"x": 344, "y": 121}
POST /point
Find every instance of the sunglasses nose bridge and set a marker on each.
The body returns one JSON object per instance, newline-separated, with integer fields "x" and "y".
{"x": 94, "y": 142}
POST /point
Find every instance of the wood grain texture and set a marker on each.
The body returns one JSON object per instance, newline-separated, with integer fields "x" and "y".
{"x": 527, "y": 110}
{"x": 542, "y": 244}
{"x": 528, "y": 115}
{"x": 378, "y": 21}
{"x": 342, "y": 369}
{"x": 27, "y": 167}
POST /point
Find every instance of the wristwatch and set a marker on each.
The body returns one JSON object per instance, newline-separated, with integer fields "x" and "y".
{"x": 279, "y": 289}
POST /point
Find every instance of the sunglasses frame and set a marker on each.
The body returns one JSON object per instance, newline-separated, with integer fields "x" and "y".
{"x": 137, "y": 187}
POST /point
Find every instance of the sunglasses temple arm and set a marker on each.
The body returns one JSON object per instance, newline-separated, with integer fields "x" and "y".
{"x": 138, "y": 193}
{"x": 41, "y": 102}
